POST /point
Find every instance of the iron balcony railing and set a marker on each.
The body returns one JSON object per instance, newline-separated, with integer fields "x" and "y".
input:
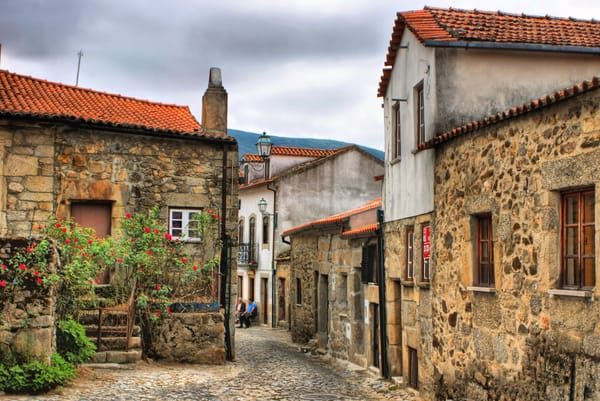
{"x": 247, "y": 253}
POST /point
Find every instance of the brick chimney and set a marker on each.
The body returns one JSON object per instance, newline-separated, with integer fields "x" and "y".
{"x": 214, "y": 103}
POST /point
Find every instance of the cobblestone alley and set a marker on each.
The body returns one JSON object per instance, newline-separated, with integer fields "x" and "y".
{"x": 267, "y": 367}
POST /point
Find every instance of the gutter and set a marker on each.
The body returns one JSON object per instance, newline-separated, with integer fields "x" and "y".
{"x": 464, "y": 44}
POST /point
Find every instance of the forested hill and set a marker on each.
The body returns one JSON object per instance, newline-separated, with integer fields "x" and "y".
{"x": 247, "y": 143}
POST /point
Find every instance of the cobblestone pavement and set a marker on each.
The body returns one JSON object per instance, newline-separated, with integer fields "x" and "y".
{"x": 267, "y": 367}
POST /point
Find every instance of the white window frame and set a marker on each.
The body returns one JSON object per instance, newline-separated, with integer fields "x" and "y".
{"x": 185, "y": 220}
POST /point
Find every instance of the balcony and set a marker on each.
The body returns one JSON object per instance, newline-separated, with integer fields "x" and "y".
{"x": 247, "y": 254}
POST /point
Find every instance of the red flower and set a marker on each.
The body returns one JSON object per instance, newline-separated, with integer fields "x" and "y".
{"x": 177, "y": 240}
{"x": 40, "y": 227}
{"x": 4, "y": 267}
{"x": 22, "y": 266}
{"x": 112, "y": 254}
{"x": 149, "y": 251}
{"x": 183, "y": 260}
{"x": 76, "y": 240}
{"x": 132, "y": 240}
{"x": 36, "y": 273}
{"x": 158, "y": 287}
{"x": 91, "y": 282}
{"x": 128, "y": 215}
{"x": 67, "y": 241}
{"x": 64, "y": 229}
{"x": 195, "y": 268}
{"x": 169, "y": 310}
{"x": 215, "y": 216}
{"x": 168, "y": 236}
{"x": 83, "y": 254}
{"x": 90, "y": 242}
{"x": 156, "y": 231}
{"x": 210, "y": 211}
{"x": 140, "y": 269}
{"x": 39, "y": 280}
{"x": 147, "y": 229}
{"x": 3, "y": 283}
{"x": 119, "y": 260}
{"x": 58, "y": 225}
{"x": 158, "y": 313}
{"x": 28, "y": 249}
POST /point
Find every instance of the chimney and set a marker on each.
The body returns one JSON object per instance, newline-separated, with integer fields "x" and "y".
{"x": 214, "y": 103}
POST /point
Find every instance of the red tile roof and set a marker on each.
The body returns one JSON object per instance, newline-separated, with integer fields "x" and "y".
{"x": 441, "y": 25}
{"x": 36, "y": 98}
{"x": 291, "y": 151}
{"x": 361, "y": 231}
{"x": 558, "y": 96}
{"x": 335, "y": 219}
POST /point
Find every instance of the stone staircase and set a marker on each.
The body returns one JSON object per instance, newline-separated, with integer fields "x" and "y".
{"x": 113, "y": 331}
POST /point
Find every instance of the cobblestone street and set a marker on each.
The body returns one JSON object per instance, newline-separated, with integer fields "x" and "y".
{"x": 267, "y": 367}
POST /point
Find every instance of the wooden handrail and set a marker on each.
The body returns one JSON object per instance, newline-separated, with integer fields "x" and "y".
{"x": 130, "y": 309}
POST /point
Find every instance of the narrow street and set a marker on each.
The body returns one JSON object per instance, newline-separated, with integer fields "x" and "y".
{"x": 267, "y": 367}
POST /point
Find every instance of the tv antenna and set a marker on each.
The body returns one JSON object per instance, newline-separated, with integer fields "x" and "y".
{"x": 80, "y": 55}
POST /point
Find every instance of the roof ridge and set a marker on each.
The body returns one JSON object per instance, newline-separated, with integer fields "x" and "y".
{"x": 78, "y": 88}
{"x": 510, "y": 14}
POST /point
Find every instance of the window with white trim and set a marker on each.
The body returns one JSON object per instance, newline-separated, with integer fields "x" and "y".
{"x": 182, "y": 224}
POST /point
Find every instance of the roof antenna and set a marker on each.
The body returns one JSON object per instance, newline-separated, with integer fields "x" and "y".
{"x": 80, "y": 54}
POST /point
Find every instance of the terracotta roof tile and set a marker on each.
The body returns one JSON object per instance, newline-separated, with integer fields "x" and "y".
{"x": 557, "y": 96}
{"x": 456, "y": 25}
{"x": 336, "y": 218}
{"x": 291, "y": 151}
{"x": 368, "y": 229}
{"x": 36, "y": 98}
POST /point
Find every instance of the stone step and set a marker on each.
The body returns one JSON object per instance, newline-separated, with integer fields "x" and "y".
{"x": 117, "y": 343}
{"x": 110, "y": 317}
{"x": 117, "y": 357}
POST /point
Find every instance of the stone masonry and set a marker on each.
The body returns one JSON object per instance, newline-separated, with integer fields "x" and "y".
{"x": 524, "y": 340}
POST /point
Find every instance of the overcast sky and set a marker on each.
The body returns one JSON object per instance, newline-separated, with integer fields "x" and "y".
{"x": 297, "y": 68}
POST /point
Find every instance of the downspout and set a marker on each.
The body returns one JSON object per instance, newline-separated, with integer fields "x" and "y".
{"x": 273, "y": 273}
{"x": 225, "y": 264}
{"x": 382, "y": 299}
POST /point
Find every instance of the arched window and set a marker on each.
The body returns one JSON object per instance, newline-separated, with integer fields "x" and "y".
{"x": 265, "y": 229}
{"x": 241, "y": 231}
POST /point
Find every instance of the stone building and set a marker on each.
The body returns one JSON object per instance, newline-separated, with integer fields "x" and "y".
{"x": 294, "y": 185}
{"x": 445, "y": 68}
{"x": 94, "y": 157}
{"x": 515, "y": 310}
{"x": 334, "y": 275}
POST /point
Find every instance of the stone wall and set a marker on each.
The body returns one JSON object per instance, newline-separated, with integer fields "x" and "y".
{"x": 524, "y": 340}
{"x": 190, "y": 338}
{"x": 27, "y": 312}
{"x": 342, "y": 330}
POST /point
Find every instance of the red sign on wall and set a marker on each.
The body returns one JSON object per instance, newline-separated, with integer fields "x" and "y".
{"x": 426, "y": 242}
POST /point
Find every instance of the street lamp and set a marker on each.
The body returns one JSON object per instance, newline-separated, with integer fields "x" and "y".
{"x": 264, "y": 145}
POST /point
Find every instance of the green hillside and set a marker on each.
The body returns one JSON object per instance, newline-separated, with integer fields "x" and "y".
{"x": 247, "y": 141}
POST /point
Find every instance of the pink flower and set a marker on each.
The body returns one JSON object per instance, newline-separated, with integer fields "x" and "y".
{"x": 22, "y": 266}
{"x": 158, "y": 287}
{"x": 147, "y": 229}
{"x": 3, "y": 283}
{"x": 39, "y": 280}
{"x": 128, "y": 215}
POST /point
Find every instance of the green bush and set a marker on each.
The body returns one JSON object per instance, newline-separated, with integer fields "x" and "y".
{"x": 36, "y": 377}
{"x": 72, "y": 343}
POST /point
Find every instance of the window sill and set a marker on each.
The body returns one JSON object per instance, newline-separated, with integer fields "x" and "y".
{"x": 408, "y": 283}
{"x": 587, "y": 294}
{"x": 395, "y": 160}
{"x": 424, "y": 284}
{"x": 485, "y": 290}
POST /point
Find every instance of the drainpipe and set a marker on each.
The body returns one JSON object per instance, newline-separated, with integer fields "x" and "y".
{"x": 225, "y": 264}
{"x": 273, "y": 273}
{"x": 382, "y": 299}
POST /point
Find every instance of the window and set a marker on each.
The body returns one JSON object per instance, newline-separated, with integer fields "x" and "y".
{"x": 182, "y": 224}
{"x": 426, "y": 253}
{"x": 413, "y": 368}
{"x": 420, "y": 113}
{"x": 410, "y": 253}
{"x": 298, "y": 291}
{"x": 342, "y": 290}
{"x": 241, "y": 231}
{"x": 484, "y": 255}
{"x": 370, "y": 264}
{"x": 396, "y": 142}
{"x": 265, "y": 230}
{"x": 577, "y": 239}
